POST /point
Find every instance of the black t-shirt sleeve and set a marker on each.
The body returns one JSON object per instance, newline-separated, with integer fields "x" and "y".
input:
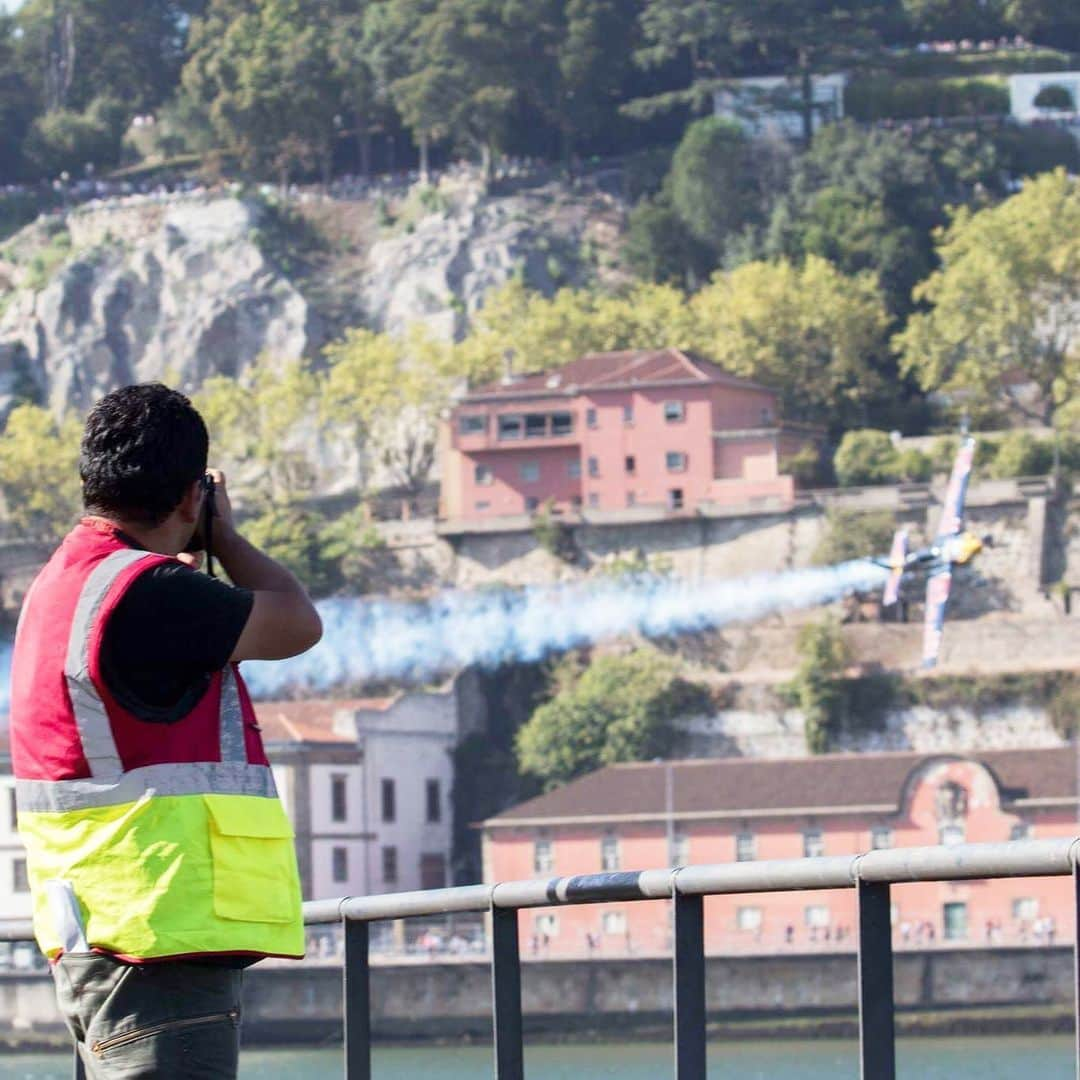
{"x": 173, "y": 628}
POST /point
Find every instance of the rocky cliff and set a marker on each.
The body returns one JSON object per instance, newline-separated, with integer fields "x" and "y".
{"x": 190, "y": 286}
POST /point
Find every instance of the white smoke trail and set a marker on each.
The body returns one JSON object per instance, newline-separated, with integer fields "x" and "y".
{"x": 366, "y": 639}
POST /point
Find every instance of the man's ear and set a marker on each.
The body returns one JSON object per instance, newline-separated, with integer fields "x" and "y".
{"x": 191, "y": 503}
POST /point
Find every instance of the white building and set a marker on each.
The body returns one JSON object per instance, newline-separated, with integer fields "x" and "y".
{"x": 367, "y": 784}
{"x": 14, "y": 890}
{"x": 772, "y": 105}
{"x": 1024, "y": 89}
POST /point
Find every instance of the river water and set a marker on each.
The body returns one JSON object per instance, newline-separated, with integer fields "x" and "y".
{"x": 979, "y": 1058}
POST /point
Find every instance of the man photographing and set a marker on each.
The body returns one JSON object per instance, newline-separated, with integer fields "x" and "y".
{"x": 160, "y": 858}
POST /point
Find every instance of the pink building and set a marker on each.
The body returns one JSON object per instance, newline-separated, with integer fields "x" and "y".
{"x": 635, "y": 817}
{"x": 613, "y": 431}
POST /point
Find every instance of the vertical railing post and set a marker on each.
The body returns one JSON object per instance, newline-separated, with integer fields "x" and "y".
{"x": 356, "y": 1001}
{"x": 506, "y": 994}
{"x": 877, "y": 1025}
{"x": 1076, "y": 964}
{"x": 79, "y": 1071}
{"x": 689, "y": 978}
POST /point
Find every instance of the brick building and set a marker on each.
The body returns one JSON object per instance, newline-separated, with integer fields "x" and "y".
{"x": 636, "y": 817}
{"x": 613, "y": 431}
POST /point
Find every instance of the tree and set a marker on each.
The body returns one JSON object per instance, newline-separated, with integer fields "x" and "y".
{"x": 818, "y": 688}
{"x": 618, "y": 709}
{"x": 264, "y": 72}
{"x": 262, "y": 425}
{"x": 390, "y": 391}
{"x": 1055, "y": 97}
{"x": 659, "y": 247}
{"x": 938, "y": 19}
{"x": 854, "y": 534}
{"x": 1048, "y": 22}
{"x": 39, "y": 475}
{"x": 1002, "y": 308}
{"x": 712, "y": 186}
{"x": 808, "y": 331}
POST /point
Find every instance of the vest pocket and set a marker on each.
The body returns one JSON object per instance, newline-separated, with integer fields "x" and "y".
{"x": 254, "y": 862}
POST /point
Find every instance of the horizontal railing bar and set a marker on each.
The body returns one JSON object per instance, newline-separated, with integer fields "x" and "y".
{"x": 1029, "y": 858}
{"x": 16, "y": 930}
{"x": 1018, "y": 858}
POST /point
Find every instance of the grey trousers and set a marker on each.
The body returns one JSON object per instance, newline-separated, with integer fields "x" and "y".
{"x": 173, "y": 1020}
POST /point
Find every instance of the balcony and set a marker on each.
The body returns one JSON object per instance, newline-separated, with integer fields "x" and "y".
{"x": 513, "y": 430}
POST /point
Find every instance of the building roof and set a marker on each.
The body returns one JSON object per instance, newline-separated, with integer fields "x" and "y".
{"x": 615, "y": 370}
{"x": 749, "y": 787}
{"x": 312, "y": 721}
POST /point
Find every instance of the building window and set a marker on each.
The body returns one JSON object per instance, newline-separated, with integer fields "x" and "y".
{"x": 529, "y": 472}
{"x": 628, "y": 415}
{"x": 1021, "y": 830}
{"x": 433, "y": 871}
{"x": 575, "y": 502}
{"x": 880, "y": 837}
{"x": 536, "y": 425}
{"x": 953, "y": 833}
{"x": 482, "y": 504}
{"x": 675, "y": 460}
{"x": 511, "y": 426}
{"x": 609, "y": 852}
{"x": 954, "y": 921}
{"x": 433, "y": 795}
{"x": 13, "y": 809}
{"x": 679, "y": 855}
{"x": 20, "y": 883}
{"x": 613, "y": 922}
{"x": 594, "y": 466}
{"x": 816, "y": 915}
{"x": 562, "y": 423}
{"x": 631, "y": 498}
{"x": 340, "y": 869}
{"x": 748, "y": 918}
{"x": 472, "y": 424}
{"x": 631, "y": 464}
{"x": 766, "y": 415}
{"x": 1025, "y": 908}
{"x": 389, "y": 801}
{"x": 338, "y": 805}
{"x": 389, "y": 865}
{"x": 745, "y": 846}
{"x": 591, "y": 418}
{"x": 546, "y": 925}
{"x": 532, "y": 504}
{"x": 573, "y": 469}
{"x": 674, "y": 411}
{"x": 675, "y": 499}
{"x": 594, "y": 500}
{"x": 543, "y": 856}
{"x": 484, "y": 475}
{"x": 813, "y": 843}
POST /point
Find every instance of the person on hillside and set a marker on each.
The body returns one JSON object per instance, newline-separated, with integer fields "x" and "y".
{"x": 160, "y": 858}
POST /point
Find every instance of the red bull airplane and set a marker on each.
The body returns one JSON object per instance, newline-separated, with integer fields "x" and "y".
{"x": 953, "y": 546}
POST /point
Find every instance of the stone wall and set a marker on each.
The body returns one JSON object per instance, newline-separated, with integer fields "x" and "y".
{"x": 453, "y": 1000}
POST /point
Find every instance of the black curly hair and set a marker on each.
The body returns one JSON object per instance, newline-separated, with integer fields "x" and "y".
{"x": 142, "y": 448}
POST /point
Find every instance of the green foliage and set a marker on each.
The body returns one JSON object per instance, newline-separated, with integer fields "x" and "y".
{"x": 817, "y": 688}
{"x": 914, "y": 466}
{"x": 555, "y": 537}
{"x": 854, "y": 534}
{"x": 67, "y": 140}
{"x": 1004, "y": 301}
{"x": 866, "y": 456}
{"x": 45, "y": 262}
{"x": 618, "y": 709}
{"x": 1019, "y": 453}
{"x": 289, "y": 533}
{"x": 659, "y": 247}
{"x": 39, "y": 476}
{"x": 351, "y": 547}
{"x": 885, "y": 97}
{"x": 806, "y": 466}
{"x": 1055, "y": 97}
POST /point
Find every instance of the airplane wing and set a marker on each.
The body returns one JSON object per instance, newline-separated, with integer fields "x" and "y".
{"x": 952, "y": 513}
{"x": 937, "y": 598}
{"x": 897, "y": 558}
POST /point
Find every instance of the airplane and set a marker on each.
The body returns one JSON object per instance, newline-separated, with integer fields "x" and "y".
{"x": 953, "y": 546}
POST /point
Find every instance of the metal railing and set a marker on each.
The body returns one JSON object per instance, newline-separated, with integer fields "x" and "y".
{"x": 871, "y": 875}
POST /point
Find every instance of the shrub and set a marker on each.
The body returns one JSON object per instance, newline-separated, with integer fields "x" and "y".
{"x": 884, "y": 97}
{"x": 805, "y": 466}
{"x": 659, "y": 247}
{"x": 853, "y": 534}
{"x": 818, "y": 687}
{"x": 866, "y": 456}
{"x": 1055, "y": 97}
{"x": 1020, "y": 454}
{"x": 914, "y": 465}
